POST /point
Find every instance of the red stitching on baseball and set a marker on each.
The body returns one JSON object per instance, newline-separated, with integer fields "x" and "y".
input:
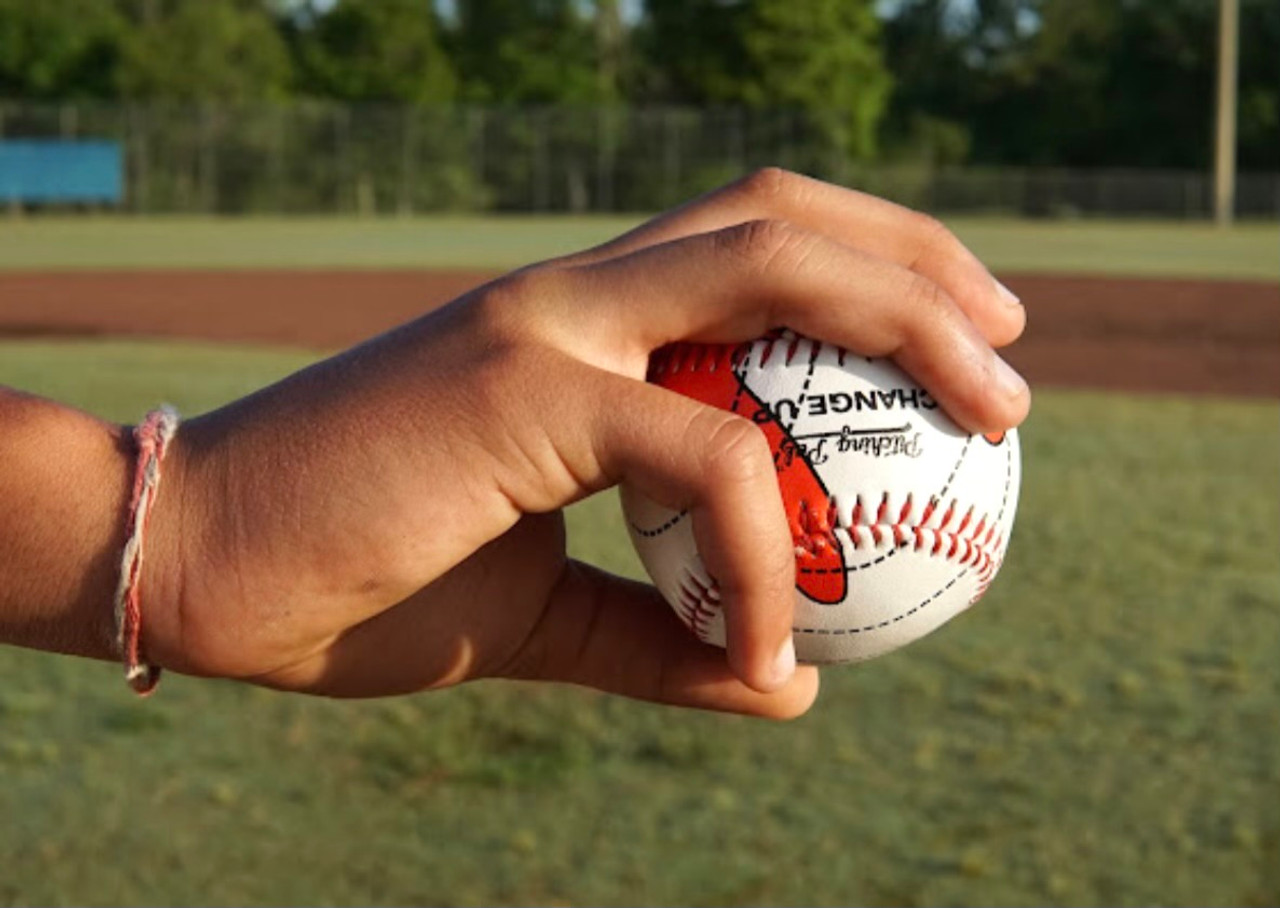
{"x": 701, "y": 605}
{"x": 694, "y": 356}
{"x": 971, "y": 543}
{"x": 987, "y": 573}
{"x": 813, "y": 532}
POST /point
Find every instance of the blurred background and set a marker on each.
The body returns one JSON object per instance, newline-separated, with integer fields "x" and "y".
{"x": 198, "y": 197}
{"x": 1030, "y": 107}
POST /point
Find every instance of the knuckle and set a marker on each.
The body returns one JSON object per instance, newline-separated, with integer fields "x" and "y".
{"x": 927, "y": 299}
{"x": 929, "y": 228}
{"x": 935, "y": 236}
{"x": 766, "y": 243}
{"x": 769, "y": 184}
{"x": 521, "y": 300}
{"x": 526, "y": 287}
{"x": 735, "y": 451}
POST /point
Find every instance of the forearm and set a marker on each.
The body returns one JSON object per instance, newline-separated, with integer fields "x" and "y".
{"x": 64, "y": 484}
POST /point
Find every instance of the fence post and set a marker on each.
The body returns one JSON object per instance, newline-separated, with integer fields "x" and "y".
{"x": 408, "y": 170}
{"x": 279, "y": 129}
{"x": 136, "y": 151}
{"x": 605, "y": 158}
{"x": 789, "y": 141}
{"x": 14, "y": 209}
{"x": 208, "y": 160}
{"x": 738, "y": 139}
{"x": 541, "y": 163}
{"x": 670, "y": 157}
{"x": 68, "y": 121}
{"x": 341, "y": 126}
{"x": 476, "y": 126}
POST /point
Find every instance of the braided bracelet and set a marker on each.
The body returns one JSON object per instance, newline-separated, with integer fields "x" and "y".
{"x": 152, "y": 437}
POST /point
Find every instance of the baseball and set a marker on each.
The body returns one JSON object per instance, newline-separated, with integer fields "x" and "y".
{"x": 900, "y": 518}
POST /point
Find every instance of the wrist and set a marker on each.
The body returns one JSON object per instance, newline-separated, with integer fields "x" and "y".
{"x": 169, "y": 534}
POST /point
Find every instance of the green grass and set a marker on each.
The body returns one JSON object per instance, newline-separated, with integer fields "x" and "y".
{"x": 1103, "y": 729}
{"x": 1114, "y": 247}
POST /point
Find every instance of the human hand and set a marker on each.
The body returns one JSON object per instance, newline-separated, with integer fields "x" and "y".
{"x": 388, "y": 520}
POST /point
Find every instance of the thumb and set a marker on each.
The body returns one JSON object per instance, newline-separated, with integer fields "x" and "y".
{"x": 618, "y": 636}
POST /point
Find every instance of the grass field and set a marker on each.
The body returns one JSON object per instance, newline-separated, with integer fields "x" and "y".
{"x": 1103, "y": 729}
{"x": 1134, "y": 248}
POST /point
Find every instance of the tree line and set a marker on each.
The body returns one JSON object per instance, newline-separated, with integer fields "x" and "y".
{"x": 1072, "y": 83}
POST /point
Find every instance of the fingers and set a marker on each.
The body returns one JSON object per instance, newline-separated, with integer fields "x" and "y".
{"x": 618, "y": 636}
{"x": 689, "y": 456}
{"x": 740, "y": 282}
{"x": 875, "y": 226}
{"x": 588, "y": 628}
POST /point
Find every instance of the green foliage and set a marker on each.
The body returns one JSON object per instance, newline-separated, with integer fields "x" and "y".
{"x": 58, "y": 49}
{"x": 1082, "y": 83}
{"x": 1259, "y": 114}
{"x": 195, "y": 50}
{"x": 375, "y": 50}
{"x": 821, "y": 58}
{"x": 1072, "y": 83}
{"x": 1101, "y": 730}
{"x": 521, "y": 52}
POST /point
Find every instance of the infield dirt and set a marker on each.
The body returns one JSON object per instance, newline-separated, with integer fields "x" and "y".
{"x": 1185, "y": 336}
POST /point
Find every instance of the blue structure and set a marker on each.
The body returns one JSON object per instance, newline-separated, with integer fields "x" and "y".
{"x": 61, "y": 172}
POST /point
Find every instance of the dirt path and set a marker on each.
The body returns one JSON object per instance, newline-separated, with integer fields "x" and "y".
{"x": 1219, "y": 337}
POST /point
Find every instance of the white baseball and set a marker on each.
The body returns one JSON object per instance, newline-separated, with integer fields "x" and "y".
{"x": 900, "y": 518}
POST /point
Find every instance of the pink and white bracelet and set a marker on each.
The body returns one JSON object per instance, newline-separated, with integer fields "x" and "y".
{"x": 152, "y": 437}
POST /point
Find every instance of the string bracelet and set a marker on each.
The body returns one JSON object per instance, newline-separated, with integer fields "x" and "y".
{"x": 152, "y": 437}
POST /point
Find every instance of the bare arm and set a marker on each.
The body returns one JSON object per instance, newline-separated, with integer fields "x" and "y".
{"x": 389, "y": 520}
{"x": 63, "y": 492}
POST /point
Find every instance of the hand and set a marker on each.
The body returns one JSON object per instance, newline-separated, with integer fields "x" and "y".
{"x": 388, "y": 519}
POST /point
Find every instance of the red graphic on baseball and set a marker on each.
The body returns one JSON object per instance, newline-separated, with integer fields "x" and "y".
{"x": 821, "y": 576}
{"x": 900, "y": 518}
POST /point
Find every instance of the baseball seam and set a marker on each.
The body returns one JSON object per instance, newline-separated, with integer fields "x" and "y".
{"x": 879, "y": 625}
{"x": 972, "y": 545}
{"x": 990, "y": 570}
{"x": 712, "y": 357}
{"x": 658, "y": 530}
{"x": 699, "y": 604}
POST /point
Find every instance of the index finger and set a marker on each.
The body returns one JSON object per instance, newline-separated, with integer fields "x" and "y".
{"x": 855, "y": 219}
{"x": 739, "y": 283}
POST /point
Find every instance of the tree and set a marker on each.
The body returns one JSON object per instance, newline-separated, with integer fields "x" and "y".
{"x": 1081, "y": 83}
{"x": 374, "y": 50}
{"x": 611, "y": 56}
{"x": 529, "y": 52}
{"x": 58, "y": 49}
{"x": 821, "y": 58}
{"x": 1259, "y": 120}
{"x": 196, "y": 50}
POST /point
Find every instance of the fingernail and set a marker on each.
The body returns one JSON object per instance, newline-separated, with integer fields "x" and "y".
{"x": 1007, "y": 295}
{"x": 784, "y": 664}
{"x": 1008, "y": 380}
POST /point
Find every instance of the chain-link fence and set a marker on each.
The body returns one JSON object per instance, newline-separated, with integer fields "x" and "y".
{"x": 317, "y": 157}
